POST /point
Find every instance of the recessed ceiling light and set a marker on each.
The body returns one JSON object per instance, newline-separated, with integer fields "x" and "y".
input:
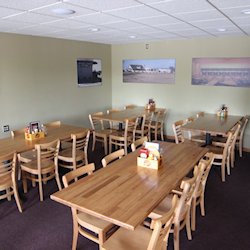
{"x": 221, "y": 29}
{"x": 132, "y": 37}
{"x": 94, "y": 29}
{"x": 61, "y": 11}
{"x": 246, "y": 12}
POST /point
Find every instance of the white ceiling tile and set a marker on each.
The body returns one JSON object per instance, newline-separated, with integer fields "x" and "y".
{"x": 101, "y": 5}
{"x": 154, "y": 21}
{"x": 243, "y": 21}
{"x": 26, "y": 4}
{"x": 31, "y": 18}
{"x": 135, "y": 12}
{"x": 230, "y": 3}
{"x": 98, "y": 18}
{"x": 7, "y": 12}
{"x": 219, "y": 23}
{"x": 182, "y": 6}
{"x": 66, "y": 24}
{"x": 175, "y": 26}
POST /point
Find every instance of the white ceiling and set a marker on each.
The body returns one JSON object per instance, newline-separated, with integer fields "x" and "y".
{"x": 126, "y": 21}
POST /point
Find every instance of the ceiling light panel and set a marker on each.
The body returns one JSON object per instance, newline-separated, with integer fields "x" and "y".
{"x": 49, "y": 10}
{"x": 27, "y": 4}
{"x": 213, "y": 23}
{"x": 234, "y": 12}
{"x": 104, "y": 5}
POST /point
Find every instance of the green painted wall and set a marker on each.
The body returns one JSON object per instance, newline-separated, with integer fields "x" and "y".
{"x": 38, "y": 81}
{"x": 182, "y": 99}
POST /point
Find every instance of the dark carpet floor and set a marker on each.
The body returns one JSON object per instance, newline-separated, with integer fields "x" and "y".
{"x": 48, "y": 224}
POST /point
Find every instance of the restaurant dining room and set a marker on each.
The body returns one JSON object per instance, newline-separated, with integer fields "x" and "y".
{"x": 115, "y": 142}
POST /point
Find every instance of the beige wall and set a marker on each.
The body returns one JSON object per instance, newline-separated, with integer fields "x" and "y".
{"x": 38, "y": 81}
{"x": 182, "y": 99}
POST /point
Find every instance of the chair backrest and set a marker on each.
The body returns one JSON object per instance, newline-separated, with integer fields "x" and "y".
{"x": 208, "y": 161}
{"x": 190, "y": 119}
{"x": 7, "y": 165}
{"x": 112, "y": 157}
{"x": 112, "y": 124}
{"x": 130, "y": 126}
{"x": 53, "y": 124}
{"x": 138, "y": 143}
{"x": 80, "y": 141}
{"x": 162, "y": 228}
{"x": 14, "y": 133}
{"x": 96, "y": 124}
{"x": 79, "y": 172}
{"x": 47, "y": 152}
{"x": 178, "y": 135}
{"x": 243, "y": 127}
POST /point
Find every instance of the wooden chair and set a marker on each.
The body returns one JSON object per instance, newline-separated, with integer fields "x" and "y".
{"x": 84, "y": 223}
{"x": 112, "y": 157}
{"x": 143, "y": 238}
{"x": 147, "y": 124}
{"x": 182, "y": 211}
{"x": 157, "y": 126}
{"x": 221, "y": 154}
{"x": 240, "y": 137}
{"x": 77, "y": 155}
{"x": 8, "y": 182}
{"x": 199, "y": 114}
{"x": 112, "y": 124}
{"x": 123, "y": 139}
{"x": 138, "y": 143}
{"x": 44, "y": 167}
{"x": 195, "y": 135}
{"x": 178, "y": 135}
{"x": 99, "y": 133}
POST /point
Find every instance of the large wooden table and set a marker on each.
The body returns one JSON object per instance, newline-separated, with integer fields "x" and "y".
{"x": 212, "y": 124}
{"x": 19, "y": 144}
{"x": 125, "y": 194}
{"x": 125, "y": 114}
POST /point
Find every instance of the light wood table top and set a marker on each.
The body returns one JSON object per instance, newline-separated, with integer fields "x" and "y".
{"x": 19, "y": 144}
{"x": 211, "y": 123}
{"x": 125, "y": 114}
{"x": 123, "y": 193}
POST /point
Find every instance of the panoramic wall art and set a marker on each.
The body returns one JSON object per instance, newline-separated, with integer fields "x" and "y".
{"x": 149, "y": 71}
{"x": 89, "y": 72}
{"x": 233, "y": 72}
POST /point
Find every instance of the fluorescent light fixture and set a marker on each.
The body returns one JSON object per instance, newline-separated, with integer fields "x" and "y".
{"x": 246, "y": 12}
{"x": 132, "y": 37}
{"x": 221, "y": 29}
{"x": 62, "y": 11}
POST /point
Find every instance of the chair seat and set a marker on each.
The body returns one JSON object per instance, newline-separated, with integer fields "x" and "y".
{"x": 93, "y": 223}
{"x": 215, "y": 150}
{"x": 67, "y": 153}
{"x": 27, "y": 156}
{"x": 103, "y": 132}
{"x": 124, "y": 239}
{"x": 31, "y": 167}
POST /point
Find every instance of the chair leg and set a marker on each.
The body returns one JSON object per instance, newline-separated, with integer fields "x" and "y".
{"x": 223, "y": 171}
{"x": 58, "y": 182}
{"x": 16, "y": 195}
{"x": 24, "y": 181}
{"x": 105, "y": 145}
{"x": 202, "y": 205}
{"x": 188, "y": 228}
{"x": 40, "y": 184}
{"x": 75, "y": 229}
{"x": 176, "y": 237}
{"x": 193, "y": 215}
{"x": 94, "y": 141}
{"x": 240, "y": 149}
{"x": 8, "y": 194}
{"x": 162, "y": 135}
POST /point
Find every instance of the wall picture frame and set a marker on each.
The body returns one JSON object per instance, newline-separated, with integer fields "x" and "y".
{"x": 230, "y": 72}
{"x": 89, "y": 72}
{"x": 149, "y": 71}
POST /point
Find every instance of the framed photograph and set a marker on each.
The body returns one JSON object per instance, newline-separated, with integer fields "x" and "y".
{"x": 35, "y": 126}
{"x": 233, "y": 72}
{"x": 89, "y": 72}
{"x": 149, "y": 71}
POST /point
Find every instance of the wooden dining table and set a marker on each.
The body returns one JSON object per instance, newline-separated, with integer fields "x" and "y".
{"x": 123, "y": 193}
{"x": 212, "y": 124}
{"x": 20, "y": 144}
